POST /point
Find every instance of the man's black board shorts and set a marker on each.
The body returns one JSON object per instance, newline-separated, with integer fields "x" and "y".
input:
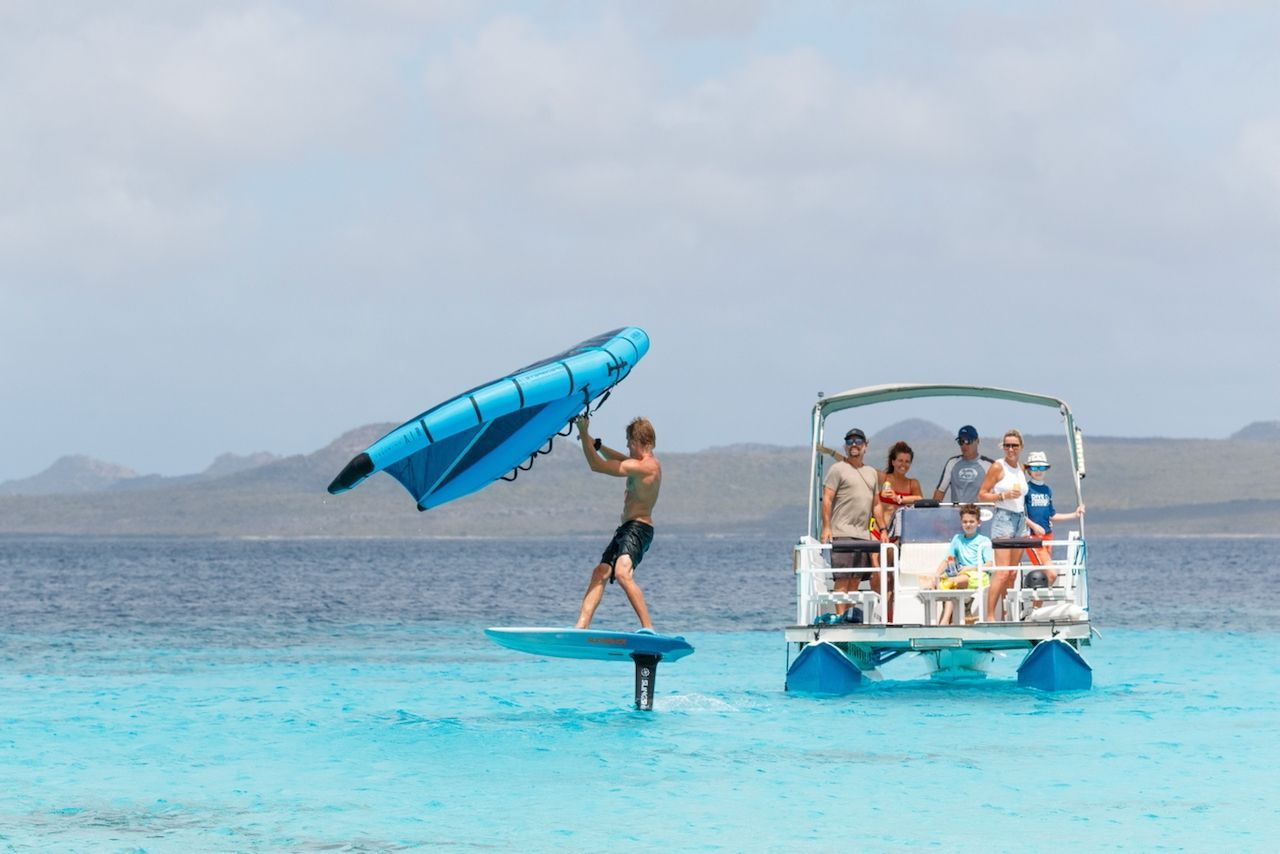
{"x": 631, "y": 539}
{"x": 849, "y": 560}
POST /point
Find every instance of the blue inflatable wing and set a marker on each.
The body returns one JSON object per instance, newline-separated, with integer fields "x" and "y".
{"x": 469, "y": 441}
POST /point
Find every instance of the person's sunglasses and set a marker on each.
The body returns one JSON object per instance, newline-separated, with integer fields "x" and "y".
{"x": 857, "y": 443}
{"x": 1037, "y": 468}
{"x": 965, "y": 441}
{"x": 1010, "y": 445}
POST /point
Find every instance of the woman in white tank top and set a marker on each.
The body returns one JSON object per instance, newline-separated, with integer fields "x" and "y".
{"x": 1006, "y": 486}
{"x": 1012, "y": 482}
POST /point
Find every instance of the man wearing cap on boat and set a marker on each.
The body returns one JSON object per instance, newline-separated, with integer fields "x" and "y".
{"x": 850, "y": 500}
{"x": 963, "y": 473}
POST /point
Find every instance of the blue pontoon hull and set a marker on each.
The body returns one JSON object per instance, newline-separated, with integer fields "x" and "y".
{"x": 1054, "y": 665}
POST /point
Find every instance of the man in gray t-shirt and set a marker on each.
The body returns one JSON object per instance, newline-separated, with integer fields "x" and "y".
{"x": 850, "y": 501}
{"x": 962, "y": 475}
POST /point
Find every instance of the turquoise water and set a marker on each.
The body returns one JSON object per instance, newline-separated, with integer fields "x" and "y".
{"x": 215, "y": 712}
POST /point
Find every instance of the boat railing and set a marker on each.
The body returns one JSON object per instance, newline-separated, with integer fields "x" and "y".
{"x": 815, "y": 587}
{"x": 909, "y": 570}
{"x": 1069, "y": 587}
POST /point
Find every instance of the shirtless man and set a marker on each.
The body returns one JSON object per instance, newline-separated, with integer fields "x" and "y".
{"x": 632, "y": 538}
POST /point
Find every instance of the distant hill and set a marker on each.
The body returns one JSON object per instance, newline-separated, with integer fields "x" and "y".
{"x": 75, "y": 475}
{"x": 227, "y": 464}
{"x": 1259, "y": 431}
{"x": 750, "y": 448}
{"x": 912, "y": 430}
{"x": 742, "y": 489}
{"x": 70, "y": 475}
{"x": 1178, "y": 486}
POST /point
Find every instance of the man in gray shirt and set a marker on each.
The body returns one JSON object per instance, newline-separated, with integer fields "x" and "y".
{"x": 850, "y": 500}
{"x": 963, "y": 474}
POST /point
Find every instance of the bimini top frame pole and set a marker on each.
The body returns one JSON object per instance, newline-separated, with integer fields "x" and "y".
{"x": 870, "y": 395}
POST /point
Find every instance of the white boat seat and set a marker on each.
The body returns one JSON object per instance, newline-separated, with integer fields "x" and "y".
{"x": 867, "y": 600}
{"x": 1057, "y": 611}
{"x": 1018, "y": 603}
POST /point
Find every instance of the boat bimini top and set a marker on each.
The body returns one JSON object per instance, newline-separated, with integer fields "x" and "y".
{"x": 828, "y": 405}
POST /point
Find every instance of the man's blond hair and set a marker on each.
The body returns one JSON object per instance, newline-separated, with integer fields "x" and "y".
{"x": 641, "y": 431}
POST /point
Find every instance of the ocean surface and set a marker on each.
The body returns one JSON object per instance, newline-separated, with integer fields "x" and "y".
{"x": 215, "y": 695}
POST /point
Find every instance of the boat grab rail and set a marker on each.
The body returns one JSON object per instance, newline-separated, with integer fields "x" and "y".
{"x": 1070, "y": 570}
{"x": 808, "y": 599}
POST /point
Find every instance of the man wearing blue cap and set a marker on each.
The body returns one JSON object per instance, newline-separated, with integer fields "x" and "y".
{"x": 963, "y": 474}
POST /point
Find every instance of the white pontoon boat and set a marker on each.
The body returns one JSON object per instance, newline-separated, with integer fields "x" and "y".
{"x": 1046, "y": 626}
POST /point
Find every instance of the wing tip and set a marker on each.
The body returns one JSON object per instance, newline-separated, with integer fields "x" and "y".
{"x": 360, "y": 467}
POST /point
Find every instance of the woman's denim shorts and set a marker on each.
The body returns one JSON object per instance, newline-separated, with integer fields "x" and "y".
{"x": 1007, "y": 523}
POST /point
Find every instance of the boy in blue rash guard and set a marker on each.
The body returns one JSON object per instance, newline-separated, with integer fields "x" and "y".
{"x": 967, "y": 555}
{"x": 1040, "y": 512}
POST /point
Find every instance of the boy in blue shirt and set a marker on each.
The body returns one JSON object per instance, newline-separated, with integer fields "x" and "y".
{"x": 1040, "y": 512}
{"x": 966, "y": 556}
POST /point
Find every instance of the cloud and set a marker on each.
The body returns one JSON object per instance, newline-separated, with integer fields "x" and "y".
{"x": 562, "y": 97}
{"x": 250, "y": 205}
{"x": 1254, "y": 164}
{"x": 1027, "y": 144}
{"x": 697, "y": 20}
{"x": 126, "y": 134}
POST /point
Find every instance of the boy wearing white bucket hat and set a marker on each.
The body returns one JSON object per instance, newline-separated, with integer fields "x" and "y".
{"x": 1040, "y": 512}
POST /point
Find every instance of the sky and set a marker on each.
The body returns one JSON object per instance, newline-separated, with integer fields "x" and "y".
{"x": 252, "y": 226}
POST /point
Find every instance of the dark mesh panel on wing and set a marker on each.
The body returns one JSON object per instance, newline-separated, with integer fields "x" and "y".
{"x": 419, "y": 472}
{"x": 589, "y": 344}
{"x": 500, "y": 429}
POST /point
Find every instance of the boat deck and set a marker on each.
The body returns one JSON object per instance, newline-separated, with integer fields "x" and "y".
{"x": 917, "y": 636}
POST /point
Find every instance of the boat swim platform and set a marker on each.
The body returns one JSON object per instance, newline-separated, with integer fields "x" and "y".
{"x": 983, "y": 637}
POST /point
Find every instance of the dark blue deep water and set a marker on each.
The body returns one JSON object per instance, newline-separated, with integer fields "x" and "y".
{"x": 155, "y": 586}
{"x": 173, "y": 694}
